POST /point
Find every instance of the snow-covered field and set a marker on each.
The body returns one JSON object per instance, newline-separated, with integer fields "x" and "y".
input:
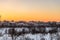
{"x": 5, "y": 36}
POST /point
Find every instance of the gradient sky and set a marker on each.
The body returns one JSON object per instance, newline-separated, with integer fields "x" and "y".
{"x": 38, "y": 10}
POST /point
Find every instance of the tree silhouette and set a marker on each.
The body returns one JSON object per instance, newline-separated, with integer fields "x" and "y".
{"x": 12, "y": 33}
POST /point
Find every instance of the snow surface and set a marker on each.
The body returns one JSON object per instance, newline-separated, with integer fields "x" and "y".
{"x": 29, "y": 36}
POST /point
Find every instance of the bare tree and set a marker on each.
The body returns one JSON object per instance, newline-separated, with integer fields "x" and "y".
{"x": 12, "y": 32}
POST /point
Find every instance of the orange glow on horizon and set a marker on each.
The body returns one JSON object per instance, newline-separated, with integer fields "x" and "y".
{"x": 29, "y": 16}
{"x": 46, "y": 10}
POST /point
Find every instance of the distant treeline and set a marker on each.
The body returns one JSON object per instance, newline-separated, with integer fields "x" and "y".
{"x": 28, "y": 24}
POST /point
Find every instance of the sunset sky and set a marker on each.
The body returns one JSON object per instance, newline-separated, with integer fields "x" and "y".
{"x": 38, "y": 10}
